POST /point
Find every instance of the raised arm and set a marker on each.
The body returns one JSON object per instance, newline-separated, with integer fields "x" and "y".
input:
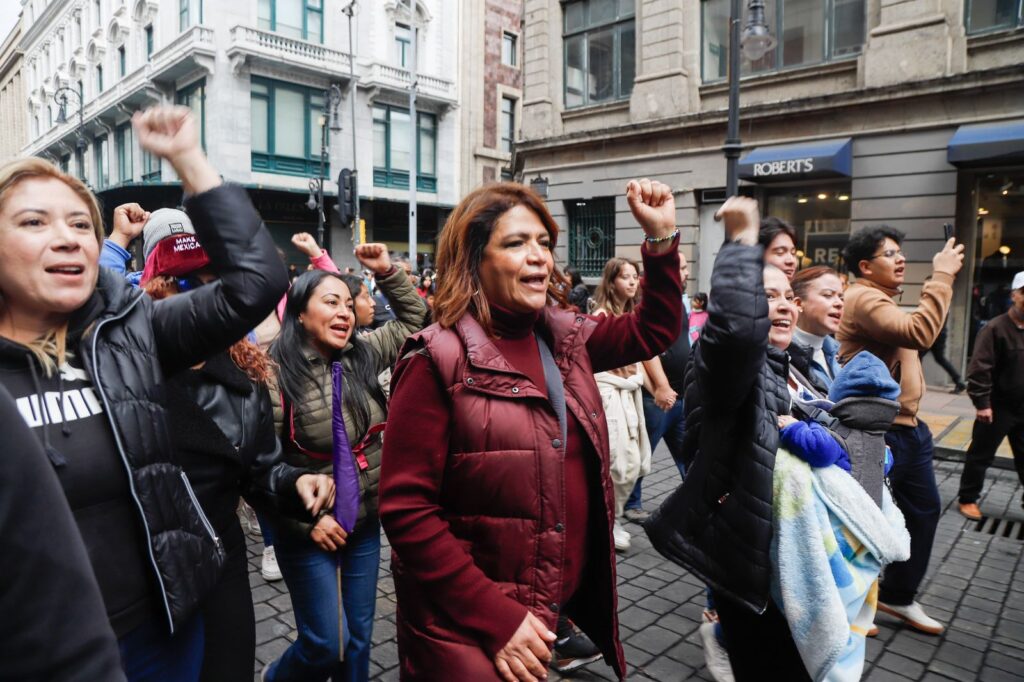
{"x": 199, "y": 323}
{"x": 654, "y": 325}
{"x": 735, "y": 337}
{"x": 409, "y": 308}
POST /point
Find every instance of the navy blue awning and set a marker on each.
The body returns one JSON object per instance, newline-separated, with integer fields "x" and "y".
{"x": 820, "y": 159}
{"x": 987, "y": 144}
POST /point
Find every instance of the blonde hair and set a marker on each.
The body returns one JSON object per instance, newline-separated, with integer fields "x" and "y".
{"x": 51, "y": 348}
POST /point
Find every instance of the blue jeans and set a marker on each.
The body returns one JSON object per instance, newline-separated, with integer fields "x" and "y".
{"x": 148, "y": 654}
{"x": 912, "y": 481}
{"x": 311, "y": 576}
{"x": 669, "y": 425}
{"x": 266, "y": 529}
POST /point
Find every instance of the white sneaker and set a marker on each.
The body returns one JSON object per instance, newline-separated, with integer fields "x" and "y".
{"x": 621, "y": 537}
{"x": 715, "y": 656}
{"x": 268, "y": 567}
{"x": 914, "y": 616}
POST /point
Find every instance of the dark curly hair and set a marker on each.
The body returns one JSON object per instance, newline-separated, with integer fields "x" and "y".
{"x": 865, "y": 241}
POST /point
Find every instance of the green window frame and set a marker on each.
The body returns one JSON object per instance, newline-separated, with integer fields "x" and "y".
{"x": 273, "y": 16}
{"x": 99, "y": 79}
{"x": 403, "y": 42}
{"x": 836, "y": 31}
{"x": 149, "y": 42}
{"x": 99, "y": 153}
{"x": 190, "y": 13}
{"x": 124, "y": 141}
{"x": 150, "y": 167}
{"x": 386, "y": 170}
{"x": 598, "y": 51}
{"x": 987, "y": 16}
{"x": 268, "y": 150}
{"x": 122, "y": 60}
{"x": 193, "y": 96}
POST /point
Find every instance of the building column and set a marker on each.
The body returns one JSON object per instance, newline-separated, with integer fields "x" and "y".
{"x": 662, "y": 81}
{"x": 914, "y": 40}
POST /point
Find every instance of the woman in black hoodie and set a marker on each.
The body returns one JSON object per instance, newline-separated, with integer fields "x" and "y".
{"x": 85, "y": 356}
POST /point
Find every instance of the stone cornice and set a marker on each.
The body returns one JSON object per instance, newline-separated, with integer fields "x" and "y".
{"x": 948, "y": 85}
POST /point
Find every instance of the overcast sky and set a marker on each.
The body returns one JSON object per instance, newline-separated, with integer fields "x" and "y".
{"x": 8, "y": 16}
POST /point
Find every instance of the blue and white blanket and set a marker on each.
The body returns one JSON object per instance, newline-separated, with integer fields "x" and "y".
{"x": 830, "y": 541}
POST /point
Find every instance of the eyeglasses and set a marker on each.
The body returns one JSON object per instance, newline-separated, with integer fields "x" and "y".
{"x": 888, "y": 253}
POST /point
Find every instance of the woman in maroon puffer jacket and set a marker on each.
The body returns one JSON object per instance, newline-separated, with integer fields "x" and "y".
{"x": 494, "y": 488}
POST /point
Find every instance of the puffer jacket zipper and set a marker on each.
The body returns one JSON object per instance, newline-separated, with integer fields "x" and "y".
{"x": 124, "y": 458}
{"x": 202, "y": 515}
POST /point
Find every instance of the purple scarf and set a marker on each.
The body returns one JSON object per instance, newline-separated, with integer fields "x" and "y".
{"x": 346, "y": 477}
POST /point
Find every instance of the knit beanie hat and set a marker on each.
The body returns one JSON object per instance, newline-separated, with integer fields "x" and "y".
{"x": 864, "y": 376}
{"x": 170, "y": 246}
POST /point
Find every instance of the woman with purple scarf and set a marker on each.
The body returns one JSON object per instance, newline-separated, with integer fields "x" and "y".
{"x": 329, "y": 410}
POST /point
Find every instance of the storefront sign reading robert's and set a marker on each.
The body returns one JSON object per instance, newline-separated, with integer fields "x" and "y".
{"x": 791, "y": 167}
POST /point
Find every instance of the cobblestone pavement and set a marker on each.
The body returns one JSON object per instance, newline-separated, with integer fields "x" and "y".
{"x": 975, "y": 585}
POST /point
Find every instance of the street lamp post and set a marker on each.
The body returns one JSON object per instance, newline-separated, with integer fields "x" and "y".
{"x": 332, "y": 98}
{"x": 61, "y": 98}
{"x": 755, "y": 42}
{"x": 349, "y": 10}
{"x": 414, "y": 157}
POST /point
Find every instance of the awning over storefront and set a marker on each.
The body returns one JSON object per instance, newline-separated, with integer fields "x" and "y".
{"x": 987, "y": 144}
{"x": 820, "y": 159}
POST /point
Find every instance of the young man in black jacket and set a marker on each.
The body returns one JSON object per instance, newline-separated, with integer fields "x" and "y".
{"x": 995, "y": 382}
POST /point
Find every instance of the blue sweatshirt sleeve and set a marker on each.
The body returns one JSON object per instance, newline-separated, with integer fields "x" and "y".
{"x": 114, "y": 257}
{"x": 812, "y": 443}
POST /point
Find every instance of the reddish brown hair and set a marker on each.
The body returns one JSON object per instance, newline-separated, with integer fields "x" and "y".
{"x": 803, "y": 279}
{"x": 246, "y": 355}
{"x": 461, "y": 248}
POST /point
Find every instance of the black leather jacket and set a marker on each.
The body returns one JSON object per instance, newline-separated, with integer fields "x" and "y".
{"x": 718, "y": 523}
{"x": 223, "y": 431}
{"x": 132, "y": 343}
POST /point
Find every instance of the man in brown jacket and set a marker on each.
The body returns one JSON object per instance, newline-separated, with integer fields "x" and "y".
{"x": 995, "y": 380}
{"x": 873, "y": 321}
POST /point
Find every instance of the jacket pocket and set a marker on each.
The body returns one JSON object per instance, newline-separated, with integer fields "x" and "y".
{"x": 202, "y": 515}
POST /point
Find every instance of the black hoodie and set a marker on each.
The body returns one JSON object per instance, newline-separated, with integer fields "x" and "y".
{"x": 89, "y": 469}
{"x": 54, "y": 627}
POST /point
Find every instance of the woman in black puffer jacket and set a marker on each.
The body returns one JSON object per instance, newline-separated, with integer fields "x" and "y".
{"x": 718, "y": 524}
{"x": 86, "y": 356}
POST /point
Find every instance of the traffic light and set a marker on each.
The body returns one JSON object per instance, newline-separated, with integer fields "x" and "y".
{"x": 348, "y": 195}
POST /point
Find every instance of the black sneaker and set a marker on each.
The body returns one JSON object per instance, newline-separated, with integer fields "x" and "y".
{"x": 573, "y": 650}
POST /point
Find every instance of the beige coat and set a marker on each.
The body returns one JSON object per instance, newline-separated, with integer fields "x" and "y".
{"x": 872, "y": 321}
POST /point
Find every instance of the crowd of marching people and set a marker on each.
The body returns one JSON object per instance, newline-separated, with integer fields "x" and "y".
{"x": 494, "y": 418}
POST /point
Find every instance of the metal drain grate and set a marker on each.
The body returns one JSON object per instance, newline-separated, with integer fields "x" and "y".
{"x": 1011, "y": 529}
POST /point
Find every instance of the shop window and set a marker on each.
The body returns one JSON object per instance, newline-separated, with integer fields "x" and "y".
{"x": 821, "y": 215}
{"x": 123, "y": 139}
{"x": 509, "y": 49}
{"x": 299, "y": 19}
{"x": 599, "y": 43}
{"x": 998, "y": 249}
{"x": 194, "y": 97}
{"x": 591, "y": 234}
{"x": 807, "y": 32}
{"x": 992, "y": 15}
{"x": 391, "y": 149}
{"x": 286, "y": 127}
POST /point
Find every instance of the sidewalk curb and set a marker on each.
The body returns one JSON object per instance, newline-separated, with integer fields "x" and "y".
{"x": 955, "y": 455}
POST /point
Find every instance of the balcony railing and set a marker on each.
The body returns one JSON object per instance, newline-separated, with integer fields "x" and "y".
{"x": 251, "y": 43}
{"x": 397, "y": 78}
